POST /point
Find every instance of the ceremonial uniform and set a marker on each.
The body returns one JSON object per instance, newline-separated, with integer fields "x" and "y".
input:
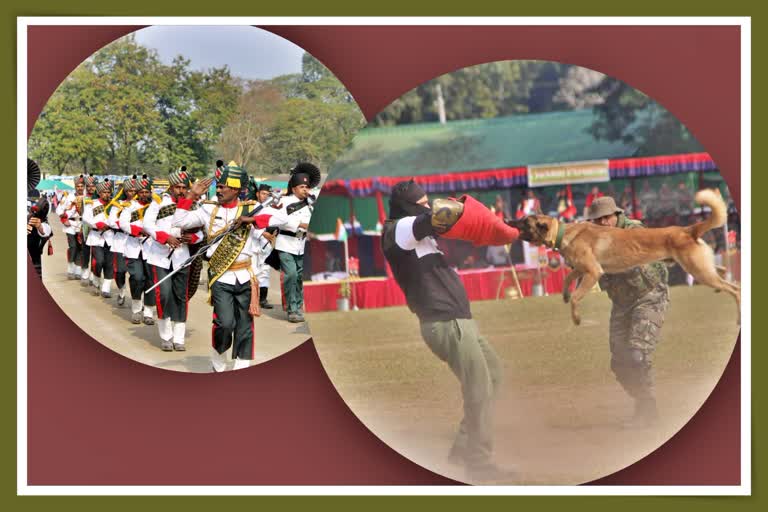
{"x": 99, "y": 239}
{"x": 434, "y": 292}
{"x": 261, "y": 268}
{"x": 290, "y": 246}
{"x": 640, "y": 300}
{"x": 36, "y": 239}
{"x": 72, "y": 221}
{"x": 230, "y": 268}
{"x": 137, "y": 246}
{"x": 86, "y": 276}
{"x": 172, "y": 294}
{"x": 119, "y": 241}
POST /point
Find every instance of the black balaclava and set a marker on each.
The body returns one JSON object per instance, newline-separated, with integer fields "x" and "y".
{"x": 402, "y": 202}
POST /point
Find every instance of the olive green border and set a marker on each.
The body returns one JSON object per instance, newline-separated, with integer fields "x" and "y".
{"x": 14, "y": 8}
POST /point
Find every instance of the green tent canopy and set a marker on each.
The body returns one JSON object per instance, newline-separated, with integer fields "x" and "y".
{"x": 53, "y": 185}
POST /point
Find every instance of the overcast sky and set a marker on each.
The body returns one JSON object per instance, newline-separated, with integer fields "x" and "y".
{"x": 248, "y": 51}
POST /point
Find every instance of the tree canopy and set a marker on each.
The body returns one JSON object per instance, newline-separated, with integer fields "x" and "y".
{"x": 527, "y": 87}
{"x": 123, "y": 111}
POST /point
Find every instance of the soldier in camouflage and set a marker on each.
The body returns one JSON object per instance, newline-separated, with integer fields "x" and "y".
{"x": 640, "y": 299}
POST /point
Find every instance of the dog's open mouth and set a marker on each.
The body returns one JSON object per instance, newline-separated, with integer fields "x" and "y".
{"x": 524, "y": 227}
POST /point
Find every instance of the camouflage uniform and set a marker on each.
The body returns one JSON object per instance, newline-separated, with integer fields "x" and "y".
{"x": 640, "y": 298}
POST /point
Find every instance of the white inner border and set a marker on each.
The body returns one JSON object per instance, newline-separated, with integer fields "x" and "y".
{"x": 746, "y": 211}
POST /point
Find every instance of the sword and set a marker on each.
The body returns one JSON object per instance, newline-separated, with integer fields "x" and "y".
{"x": 271, "y": 199}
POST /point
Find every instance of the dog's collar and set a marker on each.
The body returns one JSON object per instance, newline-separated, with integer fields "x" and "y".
{"x": 555, "y": 244}
{"x": 560, "y": 235}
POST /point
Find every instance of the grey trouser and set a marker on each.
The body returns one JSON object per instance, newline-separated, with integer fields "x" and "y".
{"x": 635, "y": 330}
{"x": 478, "y": 368}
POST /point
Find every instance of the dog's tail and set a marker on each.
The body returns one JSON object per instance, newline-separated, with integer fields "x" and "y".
{"x": 708, "y": 197}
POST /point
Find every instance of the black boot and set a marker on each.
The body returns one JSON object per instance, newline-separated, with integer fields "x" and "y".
{"x": 263, "y": 298}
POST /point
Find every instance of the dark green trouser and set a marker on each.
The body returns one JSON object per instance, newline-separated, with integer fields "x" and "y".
{"x": 85, "y": 256}
{"x": 293, "y": 270}
{"x": 635, "y": 330}
{"x": 74, "y": 249}
{"x": 232, "y": 320}
{"x": 171, "y": 295}
{"x": 140, "y": 278}
{"x": 478, "y": 368}
{"x": 120, "y": 267}
{"x": 102, "y": 261}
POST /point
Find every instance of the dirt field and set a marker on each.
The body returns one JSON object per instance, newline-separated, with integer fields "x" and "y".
{"x": 111, "y": 325}
{"x": 559, "y": 415}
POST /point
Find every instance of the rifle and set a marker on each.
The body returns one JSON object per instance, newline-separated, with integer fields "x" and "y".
{"x": 202, "y": 250}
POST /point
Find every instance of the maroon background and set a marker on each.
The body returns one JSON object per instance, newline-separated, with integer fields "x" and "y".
{"x": 96, "y": 417}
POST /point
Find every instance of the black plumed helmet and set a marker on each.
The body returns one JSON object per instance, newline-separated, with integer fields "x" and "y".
{"x": 310, "y": 170}
{"x": 33, "y": 174}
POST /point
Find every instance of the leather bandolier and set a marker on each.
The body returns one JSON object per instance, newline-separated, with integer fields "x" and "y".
{"x": 227, "y": 251}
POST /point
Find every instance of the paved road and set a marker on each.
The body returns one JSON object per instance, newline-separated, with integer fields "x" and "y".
{"x": 110, "y": 324}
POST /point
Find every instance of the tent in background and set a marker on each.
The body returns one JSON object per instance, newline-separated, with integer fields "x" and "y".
{"x": 53, "y": 185}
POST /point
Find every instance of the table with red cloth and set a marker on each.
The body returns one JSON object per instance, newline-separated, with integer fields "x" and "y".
{"x": 481, "y": 284}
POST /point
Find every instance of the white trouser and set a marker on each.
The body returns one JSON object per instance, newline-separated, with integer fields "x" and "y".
{"x": 165, "y": 328}
{"x": 179, "y": 329}
{"x": 220, "y": 361}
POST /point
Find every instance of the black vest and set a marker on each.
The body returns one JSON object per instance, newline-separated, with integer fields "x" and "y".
{"x": 432, "y": 289}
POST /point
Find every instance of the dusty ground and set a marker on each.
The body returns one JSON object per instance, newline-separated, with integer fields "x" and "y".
{"x": 559, "y": 414}
{"x": 109, "y": 324}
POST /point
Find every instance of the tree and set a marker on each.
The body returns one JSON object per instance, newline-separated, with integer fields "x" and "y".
{"x": 482, "y": 91}
{"x": 127, "y": 79}
{"x": 68, "y": 132}
{"x": 577, "y": 89}
{"x": 306, "y": 130}
{"x": 243, "y": 139}
{"x": 301, "y": 117}
{"x": 628, "y": 115}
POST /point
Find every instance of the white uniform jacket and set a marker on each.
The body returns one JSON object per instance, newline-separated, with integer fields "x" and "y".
{"x": 67, "y": 212}
{"x": 158, "y": 223}
{"x": 132, "y": 223}
{"x": 291, "y": 238}
{"x": 214, "y": 218}
{"x": 120, "y": 237}
{"x": 95, "y": 217}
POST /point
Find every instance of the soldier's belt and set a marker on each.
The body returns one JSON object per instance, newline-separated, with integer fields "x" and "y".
{"x": 240, "y": 265}
{"x": 291, "y": 233}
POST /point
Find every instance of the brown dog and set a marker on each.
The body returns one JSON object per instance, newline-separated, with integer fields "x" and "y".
{"x": 596, "y": 250}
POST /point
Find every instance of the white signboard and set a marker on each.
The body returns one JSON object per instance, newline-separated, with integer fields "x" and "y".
{"x": 568, "y": 173}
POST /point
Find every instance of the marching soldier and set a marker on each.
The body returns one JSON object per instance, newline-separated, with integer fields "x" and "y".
{"x": 67, "y": 210}
{"x": 136, "y": 249}
{"x": 120, "y": 237}
{"x": 168, "y": 252}
{"x": 233, "y": 286}
{"x": 261, "y": 268}
{"x": 86, "y": 276}
{"x": 296, "y": 212}
{"x": 100, "y": 239}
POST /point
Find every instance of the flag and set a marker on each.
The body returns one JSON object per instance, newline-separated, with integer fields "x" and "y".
{"x": 341, "y": 231}
{"x": 212, "y": 191}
